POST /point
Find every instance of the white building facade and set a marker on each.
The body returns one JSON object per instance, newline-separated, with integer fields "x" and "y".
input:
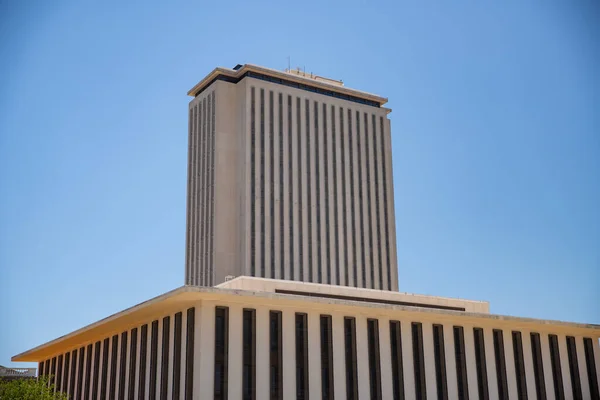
{"x": 254, "y": 338}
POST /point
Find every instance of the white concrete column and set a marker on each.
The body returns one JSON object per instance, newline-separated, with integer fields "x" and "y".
{"x": 288, "y": 324}
{"x": 347, "y": 234}
{"x": 314, "y": 354}
{"x": 171, "y": 355}
{"x": 296, "y": 198}
{"x": 596, "y": 347}
{"x": 490, "y": 361}
{"x": 372, "y": 165}
{"x": 354, "y": 197}
{"x": 262, "y": 353}
{"x": 385, "y": 361}
{"x": 450, "y": 361}
{"x": 339, "y": 361}
{"x": 267, "y": 194}
{"x": 583, "y": 375}
{"x": 380, "y": 183}
{"x": 285, "y": 240}
{"x": 159, "y": 348}
{"x": 313, "y": 191}
{"x": 509, "y": 355}
{"x": 362, "y": 357}
{"x": 334, "y": 265}
{"x": 197, "y": 365}
{"x": 471, "y": 362}
{"x": 148, "y": 357}
{"x": 390, "y": 203}
{"x": 109, "y": 366}
{"x": 528, "y": 359}
{"x": 564, "y": 366}
{"x": 204, "y": 352}
{"x": 547, "y": 362}
{"x": 235, "y": 361}
{"x": 429, "y": 358}
{"x": 408, "y": 360}
{"x": 306, "y": 200}
{"x": 364, "y": 188}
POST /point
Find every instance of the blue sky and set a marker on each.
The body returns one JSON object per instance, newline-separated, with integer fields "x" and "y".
{"x": 495, "y": 125}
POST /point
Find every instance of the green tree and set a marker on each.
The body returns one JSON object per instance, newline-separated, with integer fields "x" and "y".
{"x": 29, "y": 389}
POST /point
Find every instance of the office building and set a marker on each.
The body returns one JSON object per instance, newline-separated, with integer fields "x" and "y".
{"x": 290, "y": 177}
{"x": 291, "y": 276}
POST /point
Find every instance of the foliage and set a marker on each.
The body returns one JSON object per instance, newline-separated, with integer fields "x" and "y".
{"x": 29, "y": 389}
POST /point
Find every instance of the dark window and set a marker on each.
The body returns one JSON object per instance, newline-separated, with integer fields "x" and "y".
{"x": 301, "y": 356}
{"x": 262, "y": 173}
{"x": 59, "y": 373}
{"x": 41, "y": 368}
{"x": 335, "y": 198}
{"x": 559, "y": 392}
{"x": 299, "y": 161}
{"x": 47, "y": 369}
{"x": 53, "y": 371}
{"x": 588, "y": 345}
{"x": 419, "y": 361}
{"x": 574, "y": 368}
{"x": 440, "y": 361}
{"x": 308, "y": 190}
{"x": 143, "y": 359}
{"x": 482, "y": 383}
{"x": 275, "y": 355}
{"x": 538, "y": 366}
{"x": 80, "y": 373}
{"x": 114, "y": 353}
{"x": 272, "y": 182}
{"x": 96, "y": 374}
{"x": 326, "y": 195}
{"x": 123, "y": 365}
{"x": 377, "y": 201}
{"x": 132, "y": 361}
{"x": 189, "y": 353}
{"x": 326, "y": 358}
{"x": 73, "y": 373}
{"x": 519, "y": 365}
{"x": 177, "y": 356}
{"x": 396, "y": 357}
{"x": 103, "y": 381}
{"x": 361, "y": 188}
{"x": 249, "y": 355}
{"x": 367, "y": 187}
{"x": 318, "y": 208}
{"x": 290, "y": 187}
{"x": 350, "y": 360}
{"x": 461, "y": 363}
{"x": 85, "y": 386}
{"x": 164, "y": 369}
{"x": 153, "y": 358}
{"x": 374, "y": 364}
{"x": 500, "y": 364}
{"x": 88, "y": 371}
{"x": 385, "y": 204}
{"x": 221, "y": 352}
{"x": 353, "y": 228}
{"x": 252, "y": 183}
{"x": 281, "y": 174}
{"x": 347, "y": 265}
{"x": 65, "y": 381}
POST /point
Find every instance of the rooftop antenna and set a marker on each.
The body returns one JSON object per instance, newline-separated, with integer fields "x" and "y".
{"x": 289, "y": 64}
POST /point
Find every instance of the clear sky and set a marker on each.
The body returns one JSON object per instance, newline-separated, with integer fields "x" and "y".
{"x": 495, "y": 126}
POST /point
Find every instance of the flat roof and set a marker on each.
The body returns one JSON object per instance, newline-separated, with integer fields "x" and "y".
{"x": 189, "y": 296}
{"x": 237, "y": 73}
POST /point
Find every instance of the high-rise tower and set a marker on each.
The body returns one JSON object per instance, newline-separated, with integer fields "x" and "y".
{"x": 289, "y": 177}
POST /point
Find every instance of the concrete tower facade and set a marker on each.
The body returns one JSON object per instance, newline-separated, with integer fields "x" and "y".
{"x": 289, "y": 177}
